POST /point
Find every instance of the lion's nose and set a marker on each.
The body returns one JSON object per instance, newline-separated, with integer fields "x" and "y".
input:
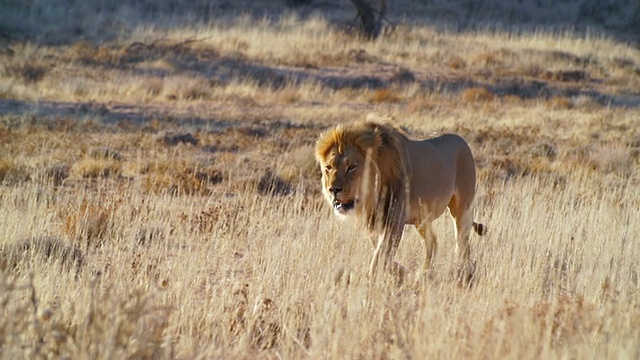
{"x": 335, "y": 190}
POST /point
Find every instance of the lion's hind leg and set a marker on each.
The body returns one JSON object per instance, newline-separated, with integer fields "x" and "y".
{"x": 462, "y": 215}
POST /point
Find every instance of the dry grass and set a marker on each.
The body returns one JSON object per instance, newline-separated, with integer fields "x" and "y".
{"x": 93, "y": 168}
{"x": 159, "y": 196}
{"x": 239, "y": 281}
{"x": 477, "y": 95}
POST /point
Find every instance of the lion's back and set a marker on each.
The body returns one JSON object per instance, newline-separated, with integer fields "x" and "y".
{"x": 440, "y": 166}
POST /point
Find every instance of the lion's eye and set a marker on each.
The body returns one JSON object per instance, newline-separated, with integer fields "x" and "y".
{"x": 351, "y": 168}
{"x": 328, "y": 168}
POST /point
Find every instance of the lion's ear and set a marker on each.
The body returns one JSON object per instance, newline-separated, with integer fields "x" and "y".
{"x": 382, "y": 138}
{"x": 365, "y": 134}
{"x": 369, "y": 141}
{"x": 377, "y": 136}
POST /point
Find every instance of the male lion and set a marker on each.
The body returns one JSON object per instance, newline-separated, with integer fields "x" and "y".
{"x": 375, "y": 172}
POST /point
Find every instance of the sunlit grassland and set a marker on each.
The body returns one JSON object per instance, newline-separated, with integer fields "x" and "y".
{"x": 234, "y": 62}
{"x": 233, "y": 276}
{"x": 159, "y": 195}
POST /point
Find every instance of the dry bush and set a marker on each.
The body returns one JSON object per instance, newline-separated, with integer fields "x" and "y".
{"x": 385, "y": 95}
{"x": 99, "y": 162}
{"x": 402, "y": 76}
{"x": 6, "y": 168}
{"x": 223, "y": 217}
{"x": 198, "y": 90}
{"x": 188, "y": 182}
{"x": 477, "y": 94}
{"x": 566, "y": 75}
{"x": 109, "y": 325}
{"x": 97, "y": 168}
{"x": 533, "y": 70}
{"x": 12, "y": 172}
{"x": 546, "y": 150}
{"x": 56, "y": 174}
{"x": 288, "y": 94}
{"x": 512, "y": 100}
{"x": 299, "y": 163}
{"x": 29, "y": 72}
{"x": 80, "y": 51}
{"x": 179, "y": 177}
{"x": 261, "y": 324}
{"x": 89, "y": 222}
{"x": 237, "y": 138}
{"x": 272, "y": 184}
{"x": 152, "y": 87}
{"x": 86, "y": 53}
{"x": 172, "y": 139}
{"x": 585, "y": 102}
{"x": 420, "y": 104}
{"x": 559, "y": 102}
{"x": 104, "y": 153}
{"x": 612, "y": 158}
{"x": 41, "y": 249}
{"x": 457, "y": 63}
{"x": 488, "y": 59}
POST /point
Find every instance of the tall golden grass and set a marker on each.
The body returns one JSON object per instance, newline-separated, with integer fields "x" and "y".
{"x": 159, "y": 197}
{"x": 252, "y": 275}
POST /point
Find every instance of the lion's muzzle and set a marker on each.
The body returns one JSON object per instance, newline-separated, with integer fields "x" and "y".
{"x": 342, "y": 208}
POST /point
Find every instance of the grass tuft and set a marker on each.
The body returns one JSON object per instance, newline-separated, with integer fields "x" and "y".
{"x": 385, "y": 95}
{"x": 88, "y": 223}
{"x": 56, "y": 174}
{"x": 12, "y": 172}
{"x": 272, "y": 184}
{"x": 179, "y": 178}
{"x": 97, "y": 168}
{"x": 477, "y": 94}
{"x": 29, "y": 73}
{"x": 26, "y": 252}
{"x": 104, "y": 153}
{"x": 559, "y": 102}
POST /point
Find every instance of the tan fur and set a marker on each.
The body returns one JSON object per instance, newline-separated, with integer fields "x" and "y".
{"x": 375, "y": 172}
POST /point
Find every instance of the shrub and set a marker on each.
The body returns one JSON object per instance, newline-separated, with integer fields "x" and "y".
{"x": 97, "y": 168}
{"x": 385, "y": 95}
{"x": 477, "y": 94}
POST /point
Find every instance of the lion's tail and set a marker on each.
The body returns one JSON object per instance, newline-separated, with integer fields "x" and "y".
{"x": 479, "y": 228}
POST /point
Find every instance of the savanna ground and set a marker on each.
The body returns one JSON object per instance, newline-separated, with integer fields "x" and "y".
{"x": 159, "y": 196}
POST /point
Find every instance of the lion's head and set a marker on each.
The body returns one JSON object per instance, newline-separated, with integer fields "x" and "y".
{"x": 359, "y": 162}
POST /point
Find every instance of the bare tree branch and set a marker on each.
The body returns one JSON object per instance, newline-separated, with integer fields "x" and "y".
{"x": 371, "y": 26}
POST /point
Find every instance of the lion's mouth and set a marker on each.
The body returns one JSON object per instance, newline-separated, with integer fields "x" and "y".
{"x": 341, "y": 207}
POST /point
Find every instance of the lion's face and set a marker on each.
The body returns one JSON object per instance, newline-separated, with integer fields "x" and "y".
{"x": 342, "y": 175}
{"x": 356, "y": 164}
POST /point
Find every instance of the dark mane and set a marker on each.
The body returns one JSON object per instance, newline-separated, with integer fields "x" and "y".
{"x": 382, "y": 144}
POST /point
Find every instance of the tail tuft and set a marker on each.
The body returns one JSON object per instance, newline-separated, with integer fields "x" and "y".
{"x": 479, "y": 228}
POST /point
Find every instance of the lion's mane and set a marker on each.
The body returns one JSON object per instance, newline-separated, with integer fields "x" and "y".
{"x": 383, "y": 147}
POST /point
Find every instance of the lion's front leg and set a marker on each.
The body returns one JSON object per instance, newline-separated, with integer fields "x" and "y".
{"x": 430, "y": 242}
{"x": 386, "y": 248}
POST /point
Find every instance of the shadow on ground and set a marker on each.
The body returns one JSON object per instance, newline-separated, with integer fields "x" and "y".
{"x": 67, "y": 21}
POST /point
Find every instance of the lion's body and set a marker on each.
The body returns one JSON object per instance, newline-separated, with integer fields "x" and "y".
{"x": 377, "y": 173}
{"x": 441, "y": 168}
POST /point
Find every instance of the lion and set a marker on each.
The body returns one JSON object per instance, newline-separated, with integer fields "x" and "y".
{"x": 375, "y": 172}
